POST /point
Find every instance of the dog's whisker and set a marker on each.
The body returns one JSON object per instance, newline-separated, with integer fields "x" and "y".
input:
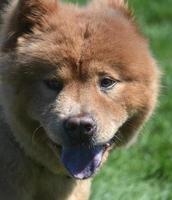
{"x": 117, "y": 137}
{"x": 34, "y": 134}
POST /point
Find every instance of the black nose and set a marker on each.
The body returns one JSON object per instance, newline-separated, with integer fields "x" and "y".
{"x": 80, "y": 128}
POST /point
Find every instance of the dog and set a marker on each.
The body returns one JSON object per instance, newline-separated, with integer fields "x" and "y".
{"x": 76, "y": 82}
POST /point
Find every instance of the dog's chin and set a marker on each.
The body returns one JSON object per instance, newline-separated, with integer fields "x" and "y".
{"x": 83, "y": 161}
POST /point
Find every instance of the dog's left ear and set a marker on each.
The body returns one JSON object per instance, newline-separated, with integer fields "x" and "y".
{"x": 120, "y": 5}
{"x": 25, "y": 16}
{"x": 35, "y": 12}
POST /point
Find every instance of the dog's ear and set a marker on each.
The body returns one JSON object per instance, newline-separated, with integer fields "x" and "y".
{"x": 120, "y": 5}
{"x": 25, "y": 16}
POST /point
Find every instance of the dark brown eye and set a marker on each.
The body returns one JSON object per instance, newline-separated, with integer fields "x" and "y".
{"x": 107, "y": 83}
{"x": 54, "y": 84}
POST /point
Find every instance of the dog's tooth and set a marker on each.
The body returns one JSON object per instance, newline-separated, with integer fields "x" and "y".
{"x": 107, "y": 145}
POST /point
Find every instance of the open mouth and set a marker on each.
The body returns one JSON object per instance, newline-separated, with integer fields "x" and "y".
{"x": 83, "y": 161}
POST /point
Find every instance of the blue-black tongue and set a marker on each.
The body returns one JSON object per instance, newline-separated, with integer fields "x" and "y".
{"x": 82, "y": 161}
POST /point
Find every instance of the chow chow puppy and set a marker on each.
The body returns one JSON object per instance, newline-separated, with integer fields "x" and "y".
{"x": 76, "y": 82}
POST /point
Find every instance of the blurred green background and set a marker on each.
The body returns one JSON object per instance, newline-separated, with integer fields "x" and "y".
{"x": 144, "y": 172}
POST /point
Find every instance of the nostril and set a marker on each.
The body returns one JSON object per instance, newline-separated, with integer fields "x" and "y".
{"x": 87, "y": 128}
{"x": 71, "y": 124}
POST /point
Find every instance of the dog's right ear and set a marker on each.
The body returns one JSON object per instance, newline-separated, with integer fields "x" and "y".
{"x": 23, "y": 17}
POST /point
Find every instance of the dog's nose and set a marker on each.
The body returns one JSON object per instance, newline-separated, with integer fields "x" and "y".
{"x": 80, "y": 128}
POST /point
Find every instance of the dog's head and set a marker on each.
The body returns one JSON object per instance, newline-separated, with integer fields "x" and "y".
{"x": 82, "y": 77}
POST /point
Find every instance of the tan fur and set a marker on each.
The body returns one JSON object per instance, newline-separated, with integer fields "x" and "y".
{"x": 43, "y": 39}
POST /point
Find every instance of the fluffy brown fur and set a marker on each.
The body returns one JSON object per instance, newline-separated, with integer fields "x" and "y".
{"x": 48, "y": 40}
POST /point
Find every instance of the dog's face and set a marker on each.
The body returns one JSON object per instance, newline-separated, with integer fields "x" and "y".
{"x": 85, "y": 76}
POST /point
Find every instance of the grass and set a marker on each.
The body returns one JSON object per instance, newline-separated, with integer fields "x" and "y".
{"x": 144, "y": 172}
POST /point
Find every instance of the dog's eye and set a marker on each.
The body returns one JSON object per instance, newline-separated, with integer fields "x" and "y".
{"x": 107, "y": 83}
{"x": 54, "y": 84}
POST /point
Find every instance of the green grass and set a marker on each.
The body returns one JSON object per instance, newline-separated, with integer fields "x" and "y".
{"x": 144, "y": 172}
